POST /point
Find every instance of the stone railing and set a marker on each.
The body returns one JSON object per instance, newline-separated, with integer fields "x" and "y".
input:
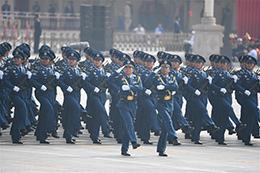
{"x": 150, "y": 41}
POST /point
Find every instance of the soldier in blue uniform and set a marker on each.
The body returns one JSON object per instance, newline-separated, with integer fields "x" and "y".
{"x": 248, "y": 86}
{"x": 3, "y": 111}
{"x": 223, "y": 100}
{"x": 198, "y": 99}
{"x": 114, "y": 113}
{"x": 182, "y": 80}
{"x": 147, "y": 104}
{"x": 165, "y": 84}
{"x": 13, "y": 79}
{"x": 129, "y": 85}
{"x": 72, "y": 86}
{"x": 96, "y": 99}
{"x": 45, "y": 81}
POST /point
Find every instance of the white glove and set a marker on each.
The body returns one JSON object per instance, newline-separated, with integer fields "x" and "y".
{"x": 185, "y": 79}
{"x": 156, "y": 71}
{"x": 210, "y": 79}
{"x": 29, "y": 74}
{"x": 83, "y": 75}
{"x": 235, "y": 78}
{"x": 197, "y": 92}
{"x": 174, "y": 92}
{"x": 108, "y": 74}
{"x": 96, "y": 89}
{"x": 69, "y": 89}
{"x": 16, "y": 89}
{"x": 148, "y": 92}
{"x": 125, "y": 87}
{"x": 57, "y": 75}
{"x": 223, "y": 90}
{"x": 43, "y": 88}
{"x": 120, "y": 69}
{"x": 248, "y": 93}
{"x": 160, "y": 87}
{"x": 1, "y": 74}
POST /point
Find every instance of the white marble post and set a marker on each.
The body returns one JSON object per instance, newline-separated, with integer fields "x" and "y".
{"x": 209, "y": 8}
{"x": 208, "y": 36}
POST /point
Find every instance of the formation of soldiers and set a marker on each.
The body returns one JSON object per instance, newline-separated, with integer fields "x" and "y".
{"x": 144, "y": 98}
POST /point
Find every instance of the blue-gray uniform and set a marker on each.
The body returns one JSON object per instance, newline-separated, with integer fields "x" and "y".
{"x": 187, "y": 71}
{"x": 177, "y": 117}
{"x": 45, "y": 82}
{"x": 72, "y": 85}
{"x": 248, "y": 86}
{"x": 12, "y": 79}
{"x": 198, "y": 100}
{"x": 96, "y": 101}
{"x": 223, "y": 101}
{"x": 129, "y": 87}
{"x": 114, "y": 114}
{"x": 147, "y": 101}
{"x": 3, "y": 111}
{"x": 165, "y": 85}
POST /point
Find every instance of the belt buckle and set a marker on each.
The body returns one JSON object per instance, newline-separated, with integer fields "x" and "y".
{"x": 167, "y": 97}
{"x": 130, "y": 97}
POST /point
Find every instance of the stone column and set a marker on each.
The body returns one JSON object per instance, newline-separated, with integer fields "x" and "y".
{"x": 208, "y": 36}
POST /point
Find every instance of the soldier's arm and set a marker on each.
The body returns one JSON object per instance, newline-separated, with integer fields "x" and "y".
{"x": 34, "y": 80}
{"x": 214, "y": 85}
{"x": 6, "y": 79}
{"x": 138, "y": 86}
{"x": 172, "y": 86}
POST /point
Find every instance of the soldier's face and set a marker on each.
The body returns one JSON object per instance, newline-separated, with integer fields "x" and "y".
{"x": 242, "y": 64}
{"x": 223, "y": 65}
{"x": 175, "y": 65}
{"x": 72, "y": 62}
{"x": 45, "y": 62}
{"x": 97, "y": 63}
{"x": 129, "y": 70}
{"x": 1, "y": 58}
{"x": 250, "y": 66}
{"x": 149, "y": 64}
{"x": 199, "y": 65}
{"x": 17, "y": 61}
{"x": 165, "y": 70}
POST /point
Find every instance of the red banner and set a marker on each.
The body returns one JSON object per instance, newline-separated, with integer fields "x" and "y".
{"x": 248, "y": 17}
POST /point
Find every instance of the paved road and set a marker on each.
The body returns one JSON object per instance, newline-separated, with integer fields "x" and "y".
{"x": 87, "y": 157}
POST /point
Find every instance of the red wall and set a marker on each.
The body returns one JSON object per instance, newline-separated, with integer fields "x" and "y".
{"x": 248, "y": 17}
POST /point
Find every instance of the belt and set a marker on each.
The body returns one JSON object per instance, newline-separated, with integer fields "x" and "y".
{"x": 164, "y": 98}
{"x": 127, "y": 98}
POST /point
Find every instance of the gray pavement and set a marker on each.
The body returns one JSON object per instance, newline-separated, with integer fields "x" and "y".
{"x": 87, "y": 157}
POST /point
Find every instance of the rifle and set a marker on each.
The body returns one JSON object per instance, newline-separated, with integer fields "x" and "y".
{"x": 50, "y": 83}
{"x": 230, "y": 85}
{"x": 77, "y": 83}
{"x": 102, "y": 85}
{"x": 204, "y": 86}
{"x": 181, "y": 84}
{"x": 254, "y": 87}
{"x": 23, "y": 82}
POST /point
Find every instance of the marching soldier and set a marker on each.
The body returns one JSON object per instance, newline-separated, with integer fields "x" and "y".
{"x": 178, "y": 101}
{"x": 165, "y": 84}
{"x": 198, "y": 99}
{"x": 72, "y": 79}
{"x": 96, "y": 99}
{"x": 15, "y": 79}
{"x": 248, "y": 86}
{"x": 222, "y": 86}
{"x": 128, "y": 85}
{"x": 45, "y": 81}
